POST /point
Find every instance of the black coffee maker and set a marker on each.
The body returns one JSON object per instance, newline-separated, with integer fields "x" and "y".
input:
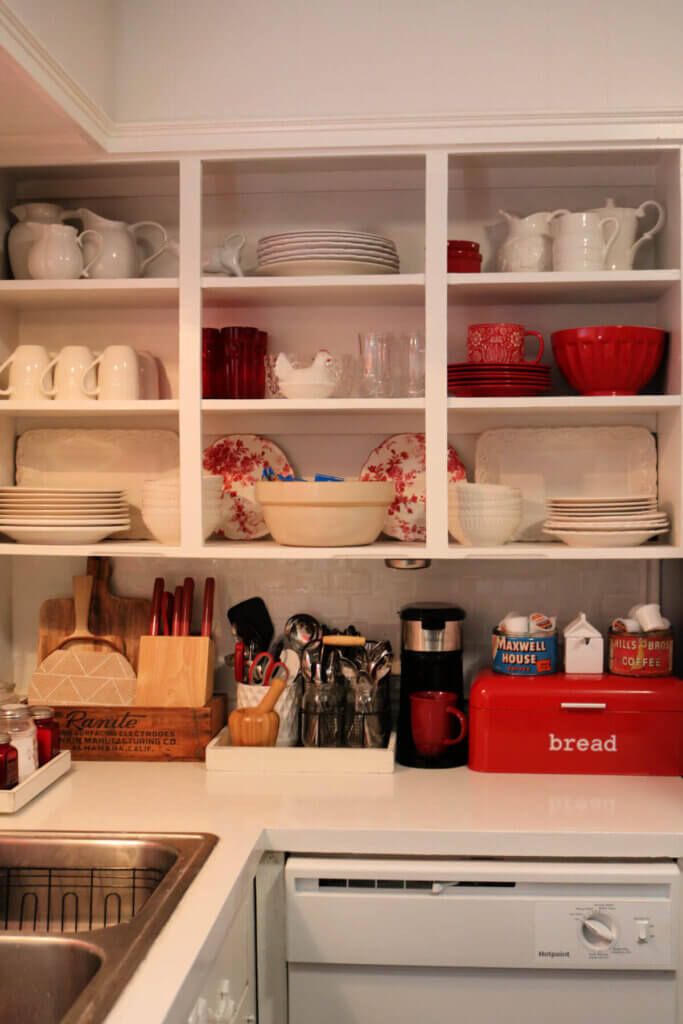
{"x": 431, "y": 659}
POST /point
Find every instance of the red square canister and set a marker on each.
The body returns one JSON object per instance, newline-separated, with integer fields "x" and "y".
{"x": 599, "y": 725}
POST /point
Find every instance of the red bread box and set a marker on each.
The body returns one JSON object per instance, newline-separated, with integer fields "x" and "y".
{"x": 595, "y": 725}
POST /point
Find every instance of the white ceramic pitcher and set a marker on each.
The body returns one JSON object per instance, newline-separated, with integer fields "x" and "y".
{"x": 120, "y": 256}
{"x": 580, "y": 242}
{"x": 57, "y": 255}
{"x": 32, "y": 218}
{"x": 528, "y": 246}
{"x": 625, "y": 247}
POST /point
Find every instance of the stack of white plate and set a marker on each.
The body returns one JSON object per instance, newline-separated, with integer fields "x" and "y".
{"x": 326, "y": 252}
{"x": 597, "y": 522}
{"x": 61, "y": 515}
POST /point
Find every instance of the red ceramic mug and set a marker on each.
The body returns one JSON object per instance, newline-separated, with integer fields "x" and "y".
{"x": 500, "y": 343}
{"x": 432, "y": 717}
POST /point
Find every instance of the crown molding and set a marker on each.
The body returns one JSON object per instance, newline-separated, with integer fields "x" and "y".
{"x": 521, "y": 130}
{"x": 60, "y": 87}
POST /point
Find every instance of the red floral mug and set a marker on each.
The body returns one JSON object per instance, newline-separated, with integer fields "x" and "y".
{"x": 500, "y": 343}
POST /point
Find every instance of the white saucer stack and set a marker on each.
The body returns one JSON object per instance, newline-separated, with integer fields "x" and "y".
{"x": 605, "y": 522}
{"x": 326, "y": 252}
{"x": 51, "y": 515}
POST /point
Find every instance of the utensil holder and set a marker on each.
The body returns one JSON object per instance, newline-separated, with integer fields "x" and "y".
{"x": 288, "y": 708}
{"x": 322, "y": 728}
{"x": 366, "y": 729}
{"x": 175, "y": 671}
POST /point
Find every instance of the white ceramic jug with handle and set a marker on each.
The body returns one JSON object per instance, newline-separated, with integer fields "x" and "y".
{"x": 581, "y": 242}
{"x": 31, "y": 221}
{"x": 528, "y": 246}
{"x": 625, "y": 247}
{"x": 57, "y": 255}
{"x": 120, "y": 256}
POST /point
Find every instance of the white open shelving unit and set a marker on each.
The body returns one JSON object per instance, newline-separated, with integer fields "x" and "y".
{"x": 418, "y": 198}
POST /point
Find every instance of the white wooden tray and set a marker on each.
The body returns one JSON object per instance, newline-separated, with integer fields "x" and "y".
{"x": 221, "y": 757}
{"x": 12, "y": 800}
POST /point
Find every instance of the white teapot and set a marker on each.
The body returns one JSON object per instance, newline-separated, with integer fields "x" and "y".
{"x": 528, "y": 246}
{"x": 32, "y": 219}
{"x": 625, "y": 247}
{"x": 119, "y": 256}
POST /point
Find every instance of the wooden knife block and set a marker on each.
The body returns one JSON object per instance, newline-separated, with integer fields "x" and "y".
{"x": 175, "y": 671}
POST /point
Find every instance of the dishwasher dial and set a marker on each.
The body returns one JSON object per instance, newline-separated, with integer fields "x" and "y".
{"x": 598, "y": 931}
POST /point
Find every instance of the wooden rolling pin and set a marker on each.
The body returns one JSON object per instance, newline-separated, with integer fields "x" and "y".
{"x": 259, "y": 726}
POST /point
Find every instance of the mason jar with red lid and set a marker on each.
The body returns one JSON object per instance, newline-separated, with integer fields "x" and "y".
{"x": 48, "y": 734}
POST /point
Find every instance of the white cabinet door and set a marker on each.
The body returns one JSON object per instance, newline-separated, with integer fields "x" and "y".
{"x": 228, "y": 994}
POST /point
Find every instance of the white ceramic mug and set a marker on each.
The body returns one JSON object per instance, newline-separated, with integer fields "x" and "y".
{"x": 149, "y": 376}
{"x": 73, "y": 374}
{"x": 118, "y": 377}
{"x": 57, "y": 254}
{"x": 650, "y": 618}
{"x": 28, "y": 364}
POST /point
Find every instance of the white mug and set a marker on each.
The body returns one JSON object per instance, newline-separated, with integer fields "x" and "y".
{"x": 149, "y": 376}
{"x": 118, "y": 378}
{"x": 28, "y": 364}
{"x": 73, "y": 374}
{"x": 650, "y": 617}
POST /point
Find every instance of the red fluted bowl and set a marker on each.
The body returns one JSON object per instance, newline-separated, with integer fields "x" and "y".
{"x": 609, "y": 360}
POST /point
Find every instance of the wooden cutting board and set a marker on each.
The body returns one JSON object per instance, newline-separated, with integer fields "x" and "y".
{"x": 110, "y": 615}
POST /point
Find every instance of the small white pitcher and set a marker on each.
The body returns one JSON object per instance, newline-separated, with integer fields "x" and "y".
{"x": 31, "y": 221}
{"x": 580, "y": 243}
{"x": 58, "y": 256}
{"x": 119, "y": 255}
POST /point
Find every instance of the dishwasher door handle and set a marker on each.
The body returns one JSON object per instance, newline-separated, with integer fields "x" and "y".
{"x": 583, "y": 705}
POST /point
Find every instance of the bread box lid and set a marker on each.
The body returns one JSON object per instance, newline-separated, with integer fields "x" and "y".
{"x": 494, "y": 692}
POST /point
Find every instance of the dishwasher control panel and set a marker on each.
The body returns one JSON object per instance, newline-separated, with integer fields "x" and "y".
{"x": 633, "y": 933}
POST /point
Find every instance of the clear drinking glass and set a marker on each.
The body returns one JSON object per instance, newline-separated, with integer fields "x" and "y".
{"x": 375, "y": 369}
{"x": 411, "y": 348}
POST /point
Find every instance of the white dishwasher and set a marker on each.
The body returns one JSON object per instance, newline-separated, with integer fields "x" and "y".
{"x": 435, "y": 941}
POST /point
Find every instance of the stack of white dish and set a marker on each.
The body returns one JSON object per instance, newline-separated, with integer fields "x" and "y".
{"x": 61, "y": 515}
{"x": 326, "y": 252}
{"x": 605, "y": 522}
{"x": 483, "y": 515}
{"x": 161, "y": 506}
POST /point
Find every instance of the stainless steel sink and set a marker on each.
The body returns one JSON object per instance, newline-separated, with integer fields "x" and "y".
{"x": 78, "y": 911}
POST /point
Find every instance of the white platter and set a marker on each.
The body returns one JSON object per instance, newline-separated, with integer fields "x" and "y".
{"x": 12, "y": 800}
{"x": 354, "y": 236}
{"x": 603, "y": 539}
{"x": 60, "y": 534}
{"x": 75, "y": 493}
{"x": 296, "y": 268}
{"x": 327, "y": 254}
{"x": 607, "y": 524}
{"x": 222, "y": 757}
{"x": 549, "y": 462}
{"x": 342, "y": 245}
{"x": 97, "y": 460}
{"x": 46, "y": 521}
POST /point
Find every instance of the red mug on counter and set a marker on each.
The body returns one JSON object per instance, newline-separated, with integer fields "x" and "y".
{"x": 500, "y": 343}
{"x": 432, "y": 717}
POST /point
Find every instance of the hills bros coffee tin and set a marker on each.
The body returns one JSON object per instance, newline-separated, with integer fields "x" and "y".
{"x": 641, "y": 654}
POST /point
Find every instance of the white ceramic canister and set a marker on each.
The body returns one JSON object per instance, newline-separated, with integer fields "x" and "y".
{"x": 623, "y": 251}
{"x": 17, "y": 721}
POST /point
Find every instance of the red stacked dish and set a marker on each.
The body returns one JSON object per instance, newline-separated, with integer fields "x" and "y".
{"x": 498, "y": 380}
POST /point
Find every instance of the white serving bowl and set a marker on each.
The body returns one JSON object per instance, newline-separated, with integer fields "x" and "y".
{"x": 491, "y": 492}
{"x": 330, "y": 514}
{"x": 162, "y": 522}
{"x": 488, "y": 530}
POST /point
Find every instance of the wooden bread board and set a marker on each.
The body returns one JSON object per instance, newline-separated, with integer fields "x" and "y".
{"x": 141, "y": 734}
{"x": 110, "y": 615}
{"x": 175, "y": 671}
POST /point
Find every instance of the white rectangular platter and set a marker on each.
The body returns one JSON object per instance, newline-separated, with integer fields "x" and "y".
{"x": 108, "y": 459}
{"x": 221, "y": 757}
{"x": 12, "y": 800}
{"x": 566, "y": 462}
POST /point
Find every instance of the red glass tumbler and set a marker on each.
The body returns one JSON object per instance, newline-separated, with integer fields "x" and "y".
{"x": 245, "y": 360}
{"x": 214, "y": 383}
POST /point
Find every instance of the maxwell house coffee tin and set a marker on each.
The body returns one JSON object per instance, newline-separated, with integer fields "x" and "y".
{"x": 641, "y": 654}
{"x": 524, "y": 655}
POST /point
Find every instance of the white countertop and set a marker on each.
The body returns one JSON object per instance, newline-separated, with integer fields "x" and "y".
{"x": 412, "y": 813}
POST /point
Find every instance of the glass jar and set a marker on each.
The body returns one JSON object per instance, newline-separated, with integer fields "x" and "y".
{"x": 16, "y": 720}
{"x": 463, "y": 257}
{"x": 7, "y": 694}
{"x": 9, "y": 763}
{"x": 48, "y": 734}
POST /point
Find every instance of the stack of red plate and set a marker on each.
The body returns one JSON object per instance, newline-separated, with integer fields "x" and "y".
{"x": 498, "y": 380}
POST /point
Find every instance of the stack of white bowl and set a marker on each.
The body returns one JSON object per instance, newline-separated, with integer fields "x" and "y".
{"x": 161, "y": 506}
{"x": 483, "y": 515}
